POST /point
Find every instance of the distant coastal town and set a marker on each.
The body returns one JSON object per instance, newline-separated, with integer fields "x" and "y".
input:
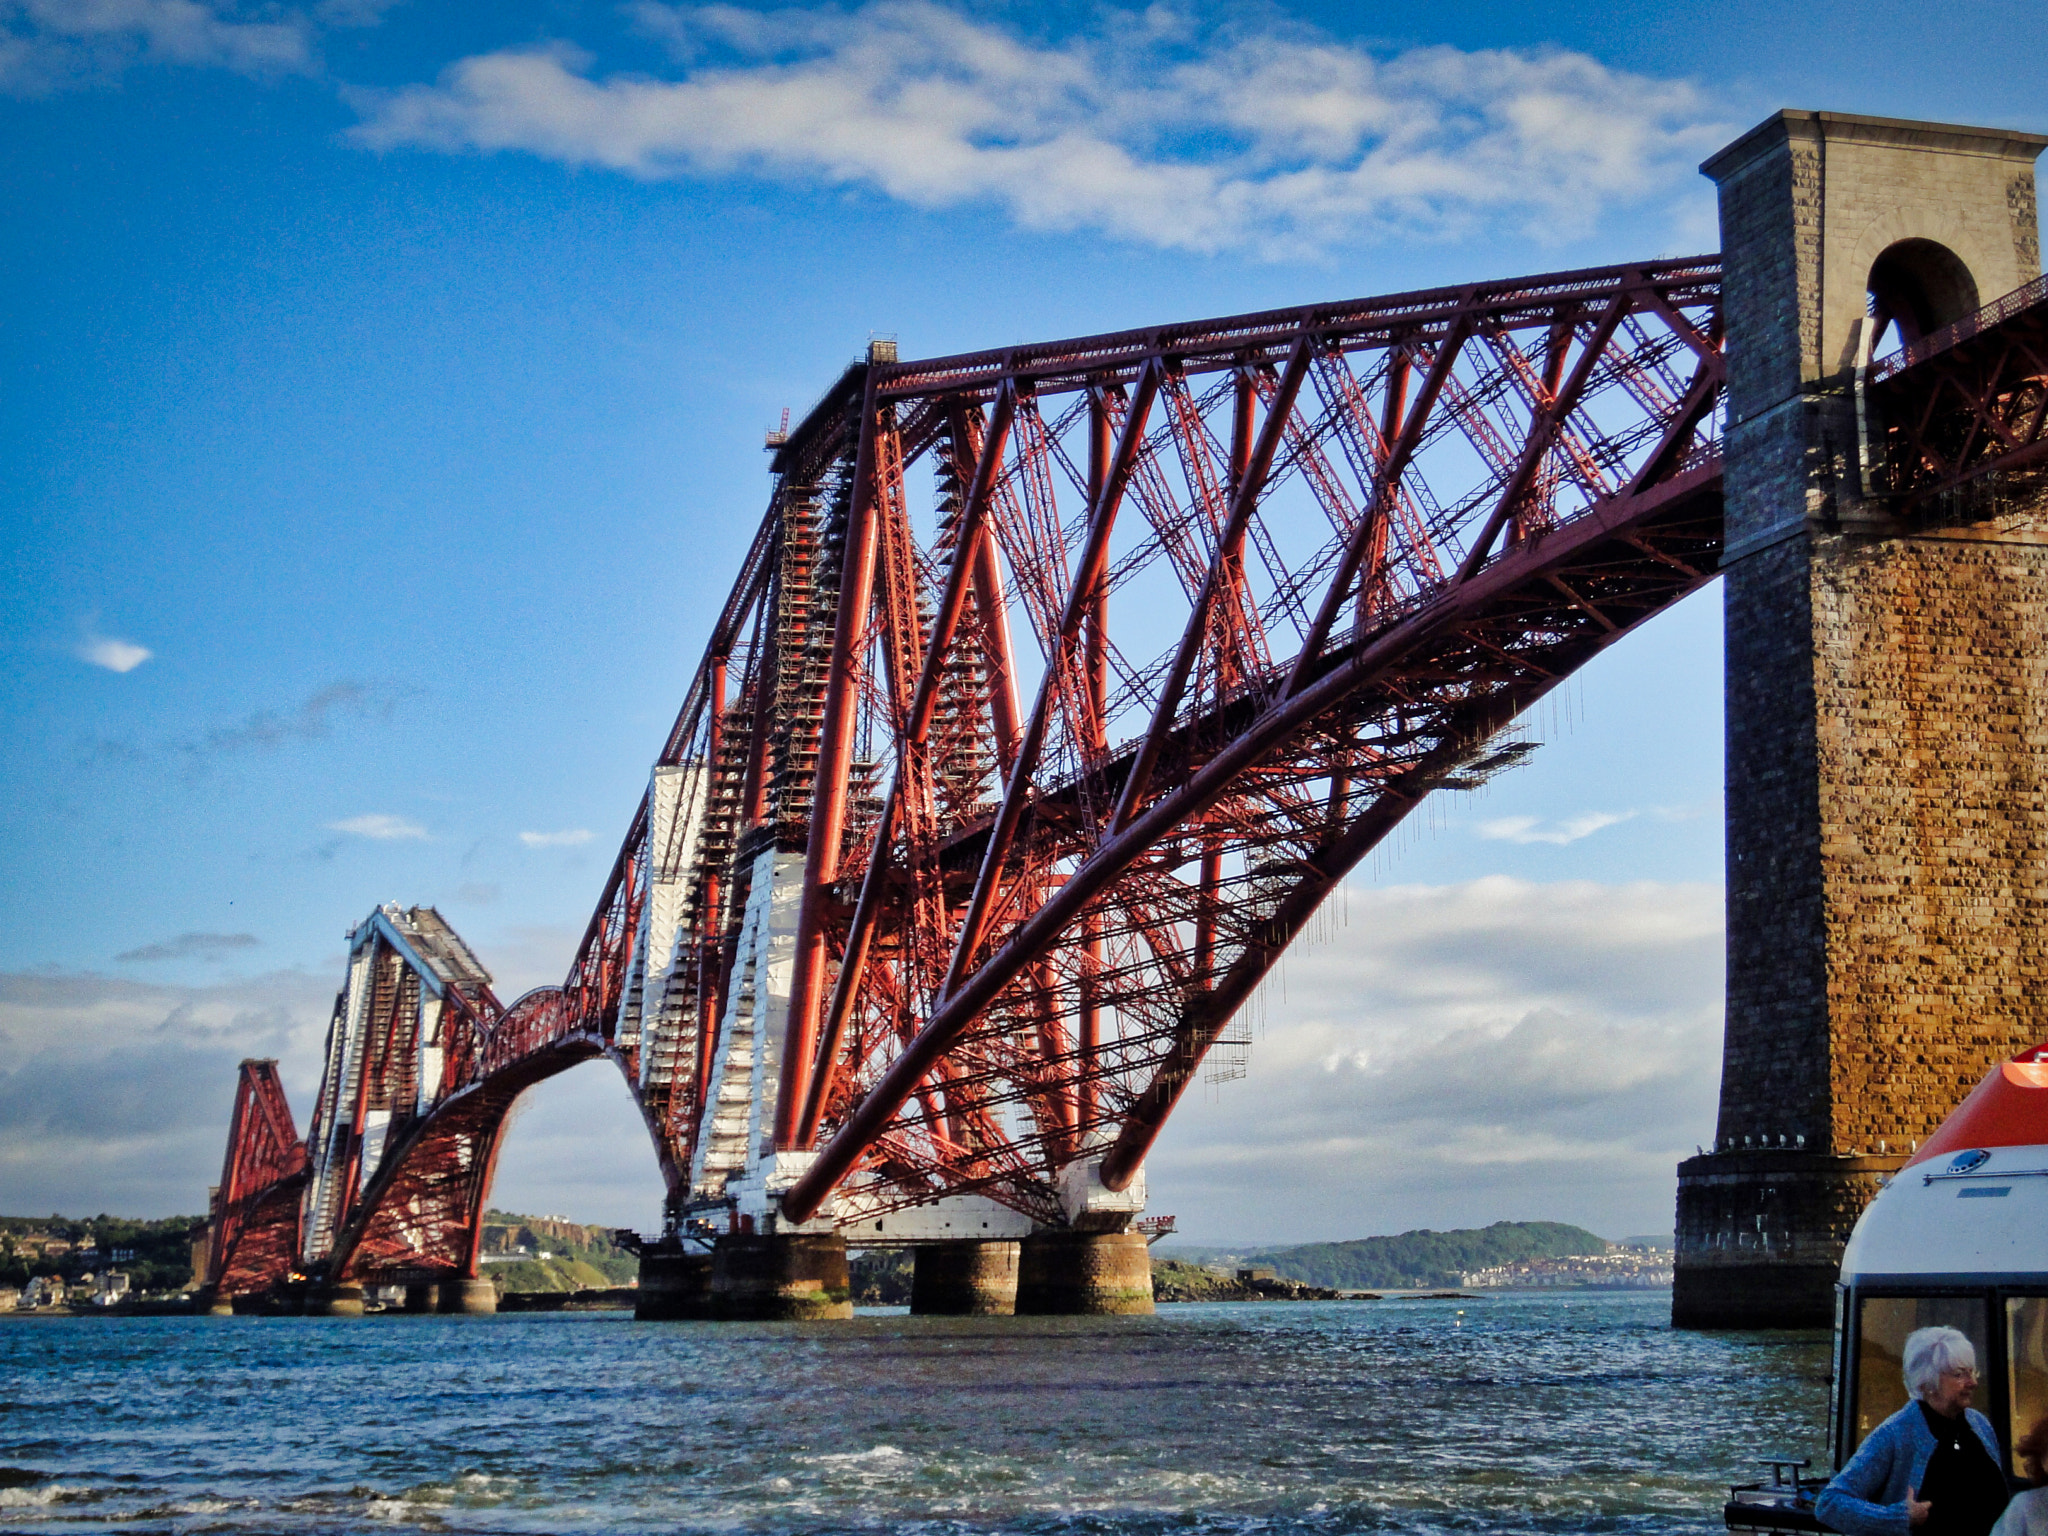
{"x": 1625, "y": 1266}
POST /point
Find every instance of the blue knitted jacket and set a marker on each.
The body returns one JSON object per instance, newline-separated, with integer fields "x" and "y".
{"x": 1868, "y": 1496}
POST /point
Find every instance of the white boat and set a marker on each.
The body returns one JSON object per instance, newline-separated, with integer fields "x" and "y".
{"x": 1958, "y": 1237}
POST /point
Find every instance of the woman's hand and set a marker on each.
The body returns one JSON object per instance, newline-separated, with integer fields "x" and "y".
{"x": 1917, "y": 1508}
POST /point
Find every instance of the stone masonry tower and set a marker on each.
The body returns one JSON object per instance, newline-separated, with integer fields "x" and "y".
{"x": 1887, "y": 708}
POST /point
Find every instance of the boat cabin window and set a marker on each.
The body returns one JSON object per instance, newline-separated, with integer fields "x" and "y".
{"x": 1881, "y": 1349}
{"x": 2026, "y": 1355}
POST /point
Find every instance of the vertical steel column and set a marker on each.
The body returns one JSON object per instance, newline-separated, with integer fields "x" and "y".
{"x": 828, "y": 797}
{"x": 1095, "y": 648}
{"x": 973, "y": 542}
{"x": 1096, "y": 653}
{"x": 1205, "y": 911}
{"x": 1056, "y": 1100}
{"x": 989, "y": 597}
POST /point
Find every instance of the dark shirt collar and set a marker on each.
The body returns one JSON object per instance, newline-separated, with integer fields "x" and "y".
{"x": 1943, "y": 1425}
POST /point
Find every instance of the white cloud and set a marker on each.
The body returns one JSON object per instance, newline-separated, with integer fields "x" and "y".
{"x": 577, "y": 1145}
{"x": 1454, "y": 1055}
{"x": 114, "y": 655}
{"x": 1444, "y": 1056}
{"x": 568, "y": 838}
{"x": 1531, "y": 829}
{"x": 114, "y": 1095}
{"x": 382, "y": 827}
{"x": 191, "y": 946}
{"x": 47, "y": 43}
{"x": 1282, "y": 140}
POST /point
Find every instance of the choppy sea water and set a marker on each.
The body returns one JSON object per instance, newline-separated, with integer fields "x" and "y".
{"x": 1540, "y": 1413}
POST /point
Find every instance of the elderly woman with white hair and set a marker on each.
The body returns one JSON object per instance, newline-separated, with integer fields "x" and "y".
{"x": 1932, "y": 1468}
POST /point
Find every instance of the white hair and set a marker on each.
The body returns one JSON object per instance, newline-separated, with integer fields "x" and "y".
{"x": 1930, "y": 1352}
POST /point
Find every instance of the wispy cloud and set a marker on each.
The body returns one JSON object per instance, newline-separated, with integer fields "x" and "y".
{"x": 192, "y": 946}
{"x": 266, "y": 730}
{"x": 47, "y": 44}
{"x": 115, "y": 1093}
{"x": 114, "y": 655}
{"x": 1163, "y": 130}
{"x": 263, "y": 731}
{"x": 380, "y": 827}
{"x": 1533, "y": 829}
{"x": 568, "y": 838}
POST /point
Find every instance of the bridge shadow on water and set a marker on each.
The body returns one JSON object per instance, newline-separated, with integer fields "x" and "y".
{"x": 1581, "y": 1412}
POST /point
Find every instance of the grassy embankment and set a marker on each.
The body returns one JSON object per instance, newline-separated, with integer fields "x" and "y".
{"x": 579, "y": 1258}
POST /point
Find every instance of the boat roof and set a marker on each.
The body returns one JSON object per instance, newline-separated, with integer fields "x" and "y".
{"x": 2008, "y": 1109}
{"x": 1971, "y": 1205}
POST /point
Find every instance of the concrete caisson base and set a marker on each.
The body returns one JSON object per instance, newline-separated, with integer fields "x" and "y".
{"x": 1761, "y": 1233}
{"x": 1069, "y": 1274}
{"x": 423, "y": 1298}
{"x": 477, "y": 1298}
{"x": 1753, "y": 1296}
{"x": 674, "y": 1286}
{"x": 336, "y": 1301}
{"x": 967, "y": 1279}
{"x": 797, "y": 1277}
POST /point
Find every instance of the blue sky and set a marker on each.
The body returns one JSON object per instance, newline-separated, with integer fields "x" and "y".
{"x": 384, "y": 386}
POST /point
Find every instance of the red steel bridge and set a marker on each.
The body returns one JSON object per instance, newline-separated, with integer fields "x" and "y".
{"x": 1057, "y": 689}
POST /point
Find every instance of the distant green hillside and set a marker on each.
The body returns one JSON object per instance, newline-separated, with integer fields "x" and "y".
{"x": 577, "y": 1257}
{"x": 1427, "y": 1258}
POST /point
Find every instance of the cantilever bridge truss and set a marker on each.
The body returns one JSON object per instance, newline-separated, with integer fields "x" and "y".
{"x": 1057, "y": 689}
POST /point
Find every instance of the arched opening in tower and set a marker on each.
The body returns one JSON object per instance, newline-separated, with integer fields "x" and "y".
{"x": 1916, "y": 287}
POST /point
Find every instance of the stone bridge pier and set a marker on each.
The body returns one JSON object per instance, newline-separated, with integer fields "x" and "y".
{"x": 1887, "y": 707}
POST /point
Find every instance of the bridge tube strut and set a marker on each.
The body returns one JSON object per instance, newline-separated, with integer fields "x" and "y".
{"x": 828, "y": 797}
{"x": 1001, "y": 661}
{"x": 1095, "y": 667}
{"x": 909, "y": 759}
